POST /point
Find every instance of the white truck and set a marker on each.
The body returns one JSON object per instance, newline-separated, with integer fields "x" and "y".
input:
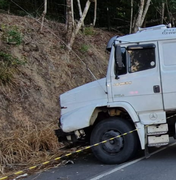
{"x": 139, "y": 92}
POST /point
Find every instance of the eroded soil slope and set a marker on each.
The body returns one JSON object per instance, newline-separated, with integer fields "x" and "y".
{"x": 29, "y": 102}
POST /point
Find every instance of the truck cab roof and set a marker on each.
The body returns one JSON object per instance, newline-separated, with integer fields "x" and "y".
{"x": 155, "y": 33}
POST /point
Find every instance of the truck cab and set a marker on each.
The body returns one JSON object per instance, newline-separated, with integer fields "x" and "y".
{"x": 135, "y": 102}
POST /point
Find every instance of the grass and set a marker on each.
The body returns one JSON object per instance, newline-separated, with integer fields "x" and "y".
{"x": 11, "y": 35}
{"x": 89, "y": 31}
{"x": 84, "y": 48}
{"x": 8, "y": 67}
{"x": 27, "y": 146}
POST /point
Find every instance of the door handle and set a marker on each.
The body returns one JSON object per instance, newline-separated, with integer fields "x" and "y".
{"x": 156, "y": 89}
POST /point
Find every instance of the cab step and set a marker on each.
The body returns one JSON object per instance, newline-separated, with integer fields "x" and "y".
{"x": 159, "y": 140}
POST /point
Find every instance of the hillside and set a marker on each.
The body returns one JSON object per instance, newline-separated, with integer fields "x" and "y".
{"x": 34, "y": 71}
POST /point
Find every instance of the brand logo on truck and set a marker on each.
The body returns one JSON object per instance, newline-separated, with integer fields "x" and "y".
{"x": 123, "y": 83}
{"x": 169, "y": 31}
{"x": 153, "y": 116}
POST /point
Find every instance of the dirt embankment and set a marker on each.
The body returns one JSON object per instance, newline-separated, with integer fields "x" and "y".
{"x": 29, "y": 102}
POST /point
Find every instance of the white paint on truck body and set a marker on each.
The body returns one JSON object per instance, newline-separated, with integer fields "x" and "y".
{"x": 77, "y": 105}
{"x": 146, "y": 94}
{"x": 167, "y": 53}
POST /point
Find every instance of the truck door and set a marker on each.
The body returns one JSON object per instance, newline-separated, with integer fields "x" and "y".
{"x": 167, "y": 53}
{"x": 138, "y": 82}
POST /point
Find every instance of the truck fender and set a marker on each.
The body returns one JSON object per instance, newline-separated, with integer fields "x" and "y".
{"x": 78, "y": 118}
{"x": 134, "y": 117}
{"x": 85, "y": 116}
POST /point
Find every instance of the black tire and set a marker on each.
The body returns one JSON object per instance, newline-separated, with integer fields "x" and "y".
{"x": 119, "y": 149}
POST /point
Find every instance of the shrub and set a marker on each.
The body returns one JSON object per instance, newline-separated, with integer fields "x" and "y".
{"x": 8, "y": 65}
{"x": 84, "y": 48}
{"x": 12, "y": 35}
{"x": 89, "y": 31}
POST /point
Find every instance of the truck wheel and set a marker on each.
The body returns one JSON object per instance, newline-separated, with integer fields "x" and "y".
{"x": 117, "y": 150}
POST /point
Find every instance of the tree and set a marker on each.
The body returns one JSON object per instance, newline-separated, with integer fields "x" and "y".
{"x": 131, "y": 18}
{"x": 170, "y": 8}
{"x": 162, "y": 12}
{"x": 124, "y": 16}
{"x": 95, "y": 12}
{"x": 80, "y": 10}
{"x": 143, "y": 8}
{"x": 69, "y": 20}
{"x": 78, "y": 26}
{"x": 44, "y": 14}
{"x": 72, "y": 14}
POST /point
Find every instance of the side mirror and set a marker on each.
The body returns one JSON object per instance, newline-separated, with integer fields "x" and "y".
{"x": 118, "y": 57}
{"x": 118, "y": 61}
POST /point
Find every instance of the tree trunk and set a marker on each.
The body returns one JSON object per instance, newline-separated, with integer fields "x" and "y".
{"x": 44, "y": 14}
{"x": 131, "y": 19}
{"x": 8, "y": 11}
{"x": 72, "y": 14}
{"x": 108, "y": 19}
{"x": 145, "y": 11}
{"x": 143, "y": 8}
{"x": 167, "y": 7}
{"x": 69, "y": 20}
{"x": 78, "y": 26}
{"x": 95, "y": 13}
{"x": 170, "y": 15}
{"x": 140, "y": 12}
{"x": 162, "y": 12}
{"x": 80, "y": 10}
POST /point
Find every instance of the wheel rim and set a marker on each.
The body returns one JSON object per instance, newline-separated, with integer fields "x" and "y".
{"x": 115, "y": 145}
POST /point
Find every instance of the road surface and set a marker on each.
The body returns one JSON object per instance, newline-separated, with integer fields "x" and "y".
{"x": 160, "y": 166}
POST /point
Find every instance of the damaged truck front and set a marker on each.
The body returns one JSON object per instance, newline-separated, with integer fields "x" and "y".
{"x": 138, "y": 93}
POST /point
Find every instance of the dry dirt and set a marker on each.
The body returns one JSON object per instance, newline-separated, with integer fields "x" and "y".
{"x": 29, "y": 104}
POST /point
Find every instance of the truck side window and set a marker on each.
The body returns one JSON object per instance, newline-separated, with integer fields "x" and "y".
{"x": 124, "y": 69}
{"x": 141, "y": 59}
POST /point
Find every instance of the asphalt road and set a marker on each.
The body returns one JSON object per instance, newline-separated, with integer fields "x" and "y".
{"x": 160, "y": 166}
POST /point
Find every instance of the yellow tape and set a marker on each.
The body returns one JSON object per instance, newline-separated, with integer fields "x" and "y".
{"x": 96, "y": 144}
{"x": 57, "y": 158}
{"x": 33, "y": 167}
{"x": 46, "y": 162}
{"x": 69, "y": 154}
{"x": 78, "y": 151}
{"x": 111, "y": 139}
{"x": 87, "y": 147}
{"x": 19, "y": 172}
{"x": 4, "y": 178}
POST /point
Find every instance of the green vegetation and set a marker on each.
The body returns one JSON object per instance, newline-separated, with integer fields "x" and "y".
{"x": 8, "y": 66}
{"x": 12, "y": 35}
{"x": 89, "y": 31}
{"x": 4, "y": 4}
{"x": 84, "y": 48}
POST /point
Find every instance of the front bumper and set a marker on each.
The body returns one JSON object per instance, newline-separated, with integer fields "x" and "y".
{"x": 73, "y": 138}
